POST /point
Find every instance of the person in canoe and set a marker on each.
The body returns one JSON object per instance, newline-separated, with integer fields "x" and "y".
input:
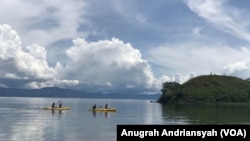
{"x": 60, "y": 105}
{"x": 106, "y": 106}
{"x": 53, "y": 105}
{"x": 94, "y": 107}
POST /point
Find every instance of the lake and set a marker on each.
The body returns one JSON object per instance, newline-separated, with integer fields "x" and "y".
{"x": 23, "y": 119}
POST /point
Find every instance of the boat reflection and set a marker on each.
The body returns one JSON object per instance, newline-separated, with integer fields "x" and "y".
{"x": 103, "y": 113}
{"x": 60, "y": 112}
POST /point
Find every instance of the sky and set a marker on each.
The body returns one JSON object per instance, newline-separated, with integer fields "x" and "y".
{"x": 119, "y": 46}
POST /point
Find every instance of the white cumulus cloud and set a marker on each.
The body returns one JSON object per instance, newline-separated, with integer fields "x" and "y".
{"x": 19, "y": 62}
{"x": 104, "y": 66}
{"x": 32, "y": 63}
{"x": 111, "y": 61}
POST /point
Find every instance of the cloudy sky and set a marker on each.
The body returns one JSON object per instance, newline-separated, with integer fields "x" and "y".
{"x": 122, "y": 46}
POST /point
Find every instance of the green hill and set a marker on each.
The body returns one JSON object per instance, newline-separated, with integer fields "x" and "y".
{"x": 207, "y": 89}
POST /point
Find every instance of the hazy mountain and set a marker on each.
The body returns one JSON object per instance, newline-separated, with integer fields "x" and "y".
{"x": 68, "y": 93}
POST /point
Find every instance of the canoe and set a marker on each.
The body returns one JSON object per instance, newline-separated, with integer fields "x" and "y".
{"x": 103, "y": 110}
{"x": 56, "y": 108}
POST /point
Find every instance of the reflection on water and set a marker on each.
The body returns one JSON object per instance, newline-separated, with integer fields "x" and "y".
{"x": 105, "y": 114}
{"x": 59, "y": 112}
{"x": 218, "y": 114}
{"x": 24, "y": 119}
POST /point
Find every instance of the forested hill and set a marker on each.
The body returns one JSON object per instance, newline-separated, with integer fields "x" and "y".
{"x": 207, "y": 89}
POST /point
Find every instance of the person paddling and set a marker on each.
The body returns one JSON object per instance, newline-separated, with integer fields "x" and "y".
{"x": 60, "y": 105}
{"x": 94, "y": 107}
{"x": 106, "y": 106}
{"x": 53, "y": 105}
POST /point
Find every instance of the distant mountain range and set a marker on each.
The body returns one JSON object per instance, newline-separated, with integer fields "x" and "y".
{"x": 69, "y": 93}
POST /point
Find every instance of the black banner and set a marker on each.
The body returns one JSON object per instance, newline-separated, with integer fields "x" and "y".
{"x": 192, "y": 132}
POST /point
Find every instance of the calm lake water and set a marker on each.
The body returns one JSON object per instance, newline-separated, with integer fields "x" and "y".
{"x": 23, "y": 119}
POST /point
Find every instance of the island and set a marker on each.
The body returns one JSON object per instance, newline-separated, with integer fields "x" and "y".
{"x": 207, "y": 89}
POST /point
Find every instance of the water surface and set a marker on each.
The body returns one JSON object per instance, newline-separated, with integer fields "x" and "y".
{"x": 23, "y": 119}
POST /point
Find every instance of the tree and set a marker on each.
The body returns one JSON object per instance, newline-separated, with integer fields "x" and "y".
{"x": 170, "y": 91}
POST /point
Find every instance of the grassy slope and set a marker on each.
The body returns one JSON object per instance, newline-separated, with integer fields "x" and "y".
{"x": 207, "y": 89}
